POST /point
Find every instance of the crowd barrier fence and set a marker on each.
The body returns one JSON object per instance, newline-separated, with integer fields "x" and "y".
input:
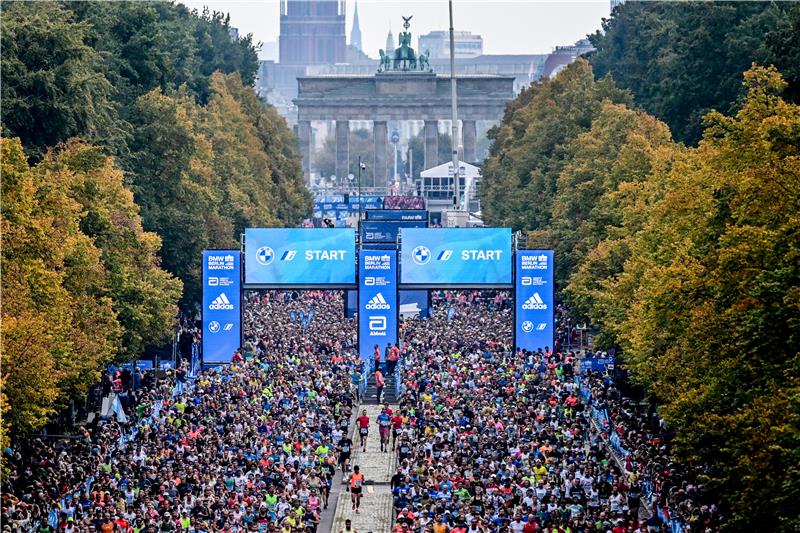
{"x": 604, "y": 422}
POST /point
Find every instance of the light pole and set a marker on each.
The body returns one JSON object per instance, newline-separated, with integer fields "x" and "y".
{"x": 361, "y": 166}
{"x": 456, "y": 173}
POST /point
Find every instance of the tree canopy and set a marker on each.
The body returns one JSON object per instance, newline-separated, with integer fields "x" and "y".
{"x": 684, "y": 259}
{"x": 680, "y": 60}
{"x": 82, "y": 284}
{"x": 131, "y": 141}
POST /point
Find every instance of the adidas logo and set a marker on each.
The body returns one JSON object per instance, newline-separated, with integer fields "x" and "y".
{"x": 534, "y": 302}
{"x": 377, "y": 302}
{"x": 221, "y": 303}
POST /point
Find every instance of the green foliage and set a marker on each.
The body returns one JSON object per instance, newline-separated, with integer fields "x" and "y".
{"x": 81, "y": 282}
{"x": 683, "y": 59}
{"x": 204, "y": 173}
{"x": 608, "y": 165}
{"x": 532, "y": 145}
{"x": 53, "y": 83}
{"x": 688, "y": 259}
{"x": 699, "y": 282}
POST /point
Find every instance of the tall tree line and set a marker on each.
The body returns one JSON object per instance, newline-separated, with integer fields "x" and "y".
{"x": 131, "y": 141}
{"x": 684, "y": 258}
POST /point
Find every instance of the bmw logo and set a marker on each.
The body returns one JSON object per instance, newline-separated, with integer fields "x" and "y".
{"x": 421, "y": 255}
{"x": 265, "y": 255}
{"x": 527, "y": 326}
{"x": 213, "y": 326}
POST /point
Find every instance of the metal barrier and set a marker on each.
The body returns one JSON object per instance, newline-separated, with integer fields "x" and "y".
{"x": 604, "y": 422}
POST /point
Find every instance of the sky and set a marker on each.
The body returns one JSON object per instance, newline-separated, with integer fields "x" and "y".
{"x": 507, "y": 26}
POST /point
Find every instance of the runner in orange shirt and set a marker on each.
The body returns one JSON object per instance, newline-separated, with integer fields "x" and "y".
{"x": 356, "y": 485}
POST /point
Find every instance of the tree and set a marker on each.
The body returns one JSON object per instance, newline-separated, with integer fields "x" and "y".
{"x": 531, "y": 145}
{"x": 143, "y": 295}
{"x": 203, "y": 173}
{"x": 58, "y": 323}
{"x": 81, "y": 283}
{"x": 708, "y": 304}
{"x": 53, "y": 84}
{"x": 175, "y": 184}
{"x": 682, "y": 59}
{"x": 607, "y": 165}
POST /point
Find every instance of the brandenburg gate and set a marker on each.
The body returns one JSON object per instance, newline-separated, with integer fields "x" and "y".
{"x": 403, "y": 88}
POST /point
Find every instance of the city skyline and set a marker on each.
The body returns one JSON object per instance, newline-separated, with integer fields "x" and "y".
{"x": 530, "y": 27}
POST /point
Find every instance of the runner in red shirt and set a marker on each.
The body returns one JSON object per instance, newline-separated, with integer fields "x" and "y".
{"x": 363, "y": 429}
{"x": 397, "y": 425}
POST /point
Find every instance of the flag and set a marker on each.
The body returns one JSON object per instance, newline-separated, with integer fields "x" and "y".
{"x": 293, "y": 315}
{"x": 116, "y": 406}
{"x": 451, "y": 312}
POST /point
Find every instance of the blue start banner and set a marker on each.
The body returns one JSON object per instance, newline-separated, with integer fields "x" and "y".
{"x": 397, "y": 214}
{"x": 386, "y": 231}
{"x": 300, "y": 257}
{"x": 453, "y": 257}
{"x": 377, "y": 300}
{"x": 222, "y": 306}
{"x": 534, "y": 301}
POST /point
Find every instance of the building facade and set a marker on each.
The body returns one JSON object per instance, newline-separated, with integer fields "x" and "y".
{"x": 466, "y": 44}
{"x": 312, "y": 32}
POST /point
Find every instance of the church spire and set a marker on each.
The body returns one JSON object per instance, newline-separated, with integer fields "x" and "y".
{"x": 390, "y": 42}
{"x": 355, "y": 33}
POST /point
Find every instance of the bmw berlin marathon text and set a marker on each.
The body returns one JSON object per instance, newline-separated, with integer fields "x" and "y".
{"x": 221, "y": 305}
{"x": 377, "y": 300}
{"x": 534, "y": 299}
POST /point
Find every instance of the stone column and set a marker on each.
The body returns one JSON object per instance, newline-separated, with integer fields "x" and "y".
{"x": 431, "y": 143}
{"x": 304, "y": 143}
{"x": 469, "y": 132}
{"x": 380, "y": 135}
{"x": 342, "y": 149}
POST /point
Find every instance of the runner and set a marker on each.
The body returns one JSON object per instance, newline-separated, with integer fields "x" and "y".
{"x": 397, "y": 425}
{"x": 356, "y": 484}
{"x": 345, "y": 449}
{"x": 384, "y": 421}
{"x": 380, "y": 381}
{"x": 348, "y": 527}
{"x": 363, "y": 429}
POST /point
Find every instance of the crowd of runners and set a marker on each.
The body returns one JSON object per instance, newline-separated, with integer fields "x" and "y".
{"x": 249, "y": 447}
{"x": 488, "y": 438}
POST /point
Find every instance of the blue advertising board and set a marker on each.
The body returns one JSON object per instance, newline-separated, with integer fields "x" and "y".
{"x": 397, "y": 214}
{"x": 386, "y": 231}
{"x": 299, "y": 257}
{"x": 222, "y": 306}
{"x": 453, "y": 257}
{"x": 377, "y": 300}
{"x": 533, "y": 298}
{"x": 418, "y": 302}
{"x": 350, "y": 304}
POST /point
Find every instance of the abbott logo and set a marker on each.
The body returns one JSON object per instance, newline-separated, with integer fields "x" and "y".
{"x": 221, "y": 303}
{"x": 534, "y": 302}
{"x": 377, "y": 323}
{"x": 445, "y": 255}
{"x": 288, "y": 255}
{"x": 377, "y": 302}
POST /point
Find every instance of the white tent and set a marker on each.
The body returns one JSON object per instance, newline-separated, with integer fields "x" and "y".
{"x": 445, "y": 170}
{"x": 469, "y": 172}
